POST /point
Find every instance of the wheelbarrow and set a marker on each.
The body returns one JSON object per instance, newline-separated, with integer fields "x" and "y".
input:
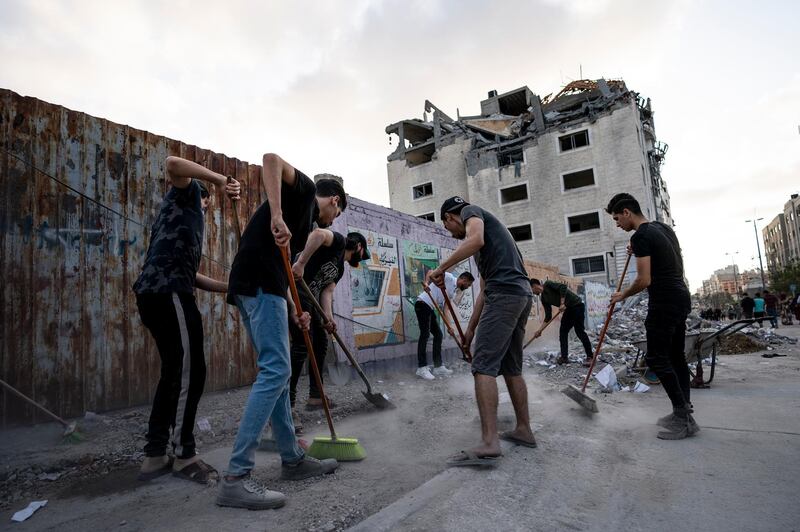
{"x": 698, "y": 347}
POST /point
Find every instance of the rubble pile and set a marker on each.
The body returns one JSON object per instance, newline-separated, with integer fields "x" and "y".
{"x": 739, "y": 343}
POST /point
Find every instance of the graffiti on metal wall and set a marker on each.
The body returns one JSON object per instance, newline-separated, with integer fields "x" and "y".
{"x": 375, "y": 287}
{"x": 418, "y": 260}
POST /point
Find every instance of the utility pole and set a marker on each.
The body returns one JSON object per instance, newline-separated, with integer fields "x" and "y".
{"x": 758, "y": 246}
{"x": 736, "y": 286}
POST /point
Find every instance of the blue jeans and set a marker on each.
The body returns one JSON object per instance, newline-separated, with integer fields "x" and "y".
{"x": 266, "y": 320}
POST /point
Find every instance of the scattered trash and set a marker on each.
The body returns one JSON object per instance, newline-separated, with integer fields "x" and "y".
{"x": 49, "y": 476}
{"x": 25, "y": 513}
{"x": 543, "y": 363}
{"x": 640, "y": 387}
{"x": 607, "y": 378}
{"x": 203, "y": 424}
{"x": 772, "y": 355}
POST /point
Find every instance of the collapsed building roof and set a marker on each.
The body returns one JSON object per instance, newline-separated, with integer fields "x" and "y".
{"x": 507, "y": 120}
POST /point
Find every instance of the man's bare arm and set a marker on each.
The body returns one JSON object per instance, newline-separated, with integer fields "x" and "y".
{"x": 317, "y": 239}
{"x": 208, "y": 284}
{"x": 274, "y": 172}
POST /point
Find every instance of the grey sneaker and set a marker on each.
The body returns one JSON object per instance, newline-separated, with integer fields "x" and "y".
{"x": 308, "y": 467}
{"x": 677, "y": 425}
{"x": 247, "y": 493}
{"x": 694, "y": 428}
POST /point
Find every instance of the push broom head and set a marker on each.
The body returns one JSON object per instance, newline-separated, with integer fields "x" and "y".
{"x": 343, "y": 449}
{"x": 581, "y": 398}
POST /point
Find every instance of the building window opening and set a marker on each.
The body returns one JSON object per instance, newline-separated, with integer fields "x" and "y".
{"x": 584, "y": 222}
{"x": 427, "y": 216}
{"x": 588, "y": 265}
{"x": 521, "y": 232}
{"x": 573, "y": 141}
{"x": 509, "y": 156}
{"x": 515, "y": 193}
{"x": 423, "y": 191}
{"x": 583, "y": 178}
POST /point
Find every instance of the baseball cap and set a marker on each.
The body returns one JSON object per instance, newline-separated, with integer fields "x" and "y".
{"x": 451, "y": 204}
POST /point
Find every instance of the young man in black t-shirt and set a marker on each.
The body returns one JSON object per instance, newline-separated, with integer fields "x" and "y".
{"x": 258, "y": 286}
{"x": 165, "y": 299}
{"x": 659, "y": 269}
{"x": 321, "y": 266}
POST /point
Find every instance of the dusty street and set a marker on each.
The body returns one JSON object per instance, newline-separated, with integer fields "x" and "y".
{"x": 601, "y": 472}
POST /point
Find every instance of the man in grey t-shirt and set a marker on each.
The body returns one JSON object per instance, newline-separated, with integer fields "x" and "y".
{"x": 500, "y": 315}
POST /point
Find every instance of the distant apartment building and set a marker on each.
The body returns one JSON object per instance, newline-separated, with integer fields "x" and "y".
{"x": 546, "y": 167}
{"x": 782, "y": 236}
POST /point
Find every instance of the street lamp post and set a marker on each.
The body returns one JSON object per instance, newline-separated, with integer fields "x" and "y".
{"x": 736, "y": 286}
{"x": 758, "y": 246}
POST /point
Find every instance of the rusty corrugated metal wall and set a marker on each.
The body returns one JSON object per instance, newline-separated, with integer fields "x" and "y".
{"x": 70, "y": 333}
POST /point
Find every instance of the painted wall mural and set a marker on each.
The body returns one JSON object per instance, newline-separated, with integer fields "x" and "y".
{"x": 418, "y": 260}
{"x": 375, "y": 287}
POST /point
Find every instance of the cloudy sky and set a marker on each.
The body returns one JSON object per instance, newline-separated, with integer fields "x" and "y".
{"x": 318, "y": 82}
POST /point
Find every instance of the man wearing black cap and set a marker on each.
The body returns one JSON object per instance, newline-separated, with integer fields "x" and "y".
{"x": 321, "y": 266}
{"x": 497, "y": 323}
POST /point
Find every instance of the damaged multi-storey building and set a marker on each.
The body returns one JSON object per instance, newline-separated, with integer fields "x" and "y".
{"x": 545, "y": 166}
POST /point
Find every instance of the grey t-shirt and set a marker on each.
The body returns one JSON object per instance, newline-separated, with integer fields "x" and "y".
{"x": 499, "y": 260}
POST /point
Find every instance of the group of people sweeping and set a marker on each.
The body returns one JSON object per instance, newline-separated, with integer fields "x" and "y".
{"x": 293, "y": 222}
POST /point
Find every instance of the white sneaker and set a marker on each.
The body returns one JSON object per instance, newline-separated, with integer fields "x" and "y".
{"x": 425, "y": 373}
{"x": 442, "y": 371}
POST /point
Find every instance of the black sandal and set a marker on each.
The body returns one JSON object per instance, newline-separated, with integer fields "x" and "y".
{"x": 198, "y": 471}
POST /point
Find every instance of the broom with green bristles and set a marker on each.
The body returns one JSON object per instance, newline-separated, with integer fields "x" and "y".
{"x": 342, "y": 449}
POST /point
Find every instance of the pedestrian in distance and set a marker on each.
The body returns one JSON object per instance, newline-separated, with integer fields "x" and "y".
{"x": 771, "y": 305}
{"x": 748, "y": 304}
{"x": 759, "y": 309}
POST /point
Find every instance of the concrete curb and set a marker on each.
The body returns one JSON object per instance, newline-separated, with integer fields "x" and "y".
{"x": 417, "y": 499}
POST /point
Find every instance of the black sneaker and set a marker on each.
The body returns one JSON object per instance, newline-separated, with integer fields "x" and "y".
{"x": 677, "y": 425}
{"x": 308, "y": 467}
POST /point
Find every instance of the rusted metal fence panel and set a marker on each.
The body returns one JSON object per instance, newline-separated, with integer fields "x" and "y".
{"x": 79, "y": 194}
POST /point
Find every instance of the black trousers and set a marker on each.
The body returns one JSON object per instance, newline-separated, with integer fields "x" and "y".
{"x": 428, "y": 325}
{"x": 666, "y": 333}
{"x": 319, "y": 342}
{"x": 573, "y": 318}
{"x": 175, "y": 324}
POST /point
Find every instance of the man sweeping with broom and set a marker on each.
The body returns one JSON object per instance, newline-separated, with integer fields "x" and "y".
{"x": 321, "y": 265}
{"x": 165, "y": 299}
{"x": 500, "y": 315}
{"x": 659, "y": 269}
{"x": 258, "y": 286}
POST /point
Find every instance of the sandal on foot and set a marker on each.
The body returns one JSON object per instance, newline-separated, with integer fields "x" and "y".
{"x": 197, "y": 471}
{"x": 163, "y": 470}
{"x": 469, "y": 458}
{"x": 509, "y": 436}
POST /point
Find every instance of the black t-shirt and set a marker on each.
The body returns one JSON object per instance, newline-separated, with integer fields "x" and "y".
{"x": 258, "y": 263}
{"x": 667, "y": 287}
{"x": 748, "y": 304}
{"x": 325, "y": 266}
{"x": 176, "y": 243}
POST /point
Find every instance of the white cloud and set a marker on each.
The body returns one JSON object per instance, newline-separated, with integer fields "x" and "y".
{"x": 319, "y": 81}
